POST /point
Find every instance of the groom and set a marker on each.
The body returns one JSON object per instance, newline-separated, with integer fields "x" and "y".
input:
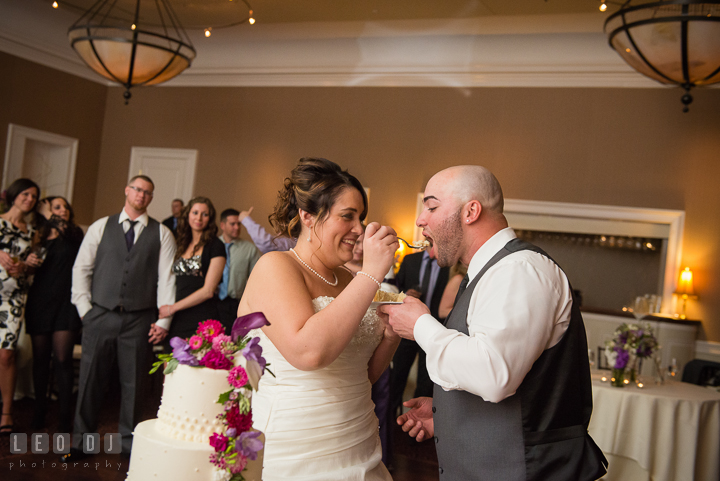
{"x": 513, "y": 398}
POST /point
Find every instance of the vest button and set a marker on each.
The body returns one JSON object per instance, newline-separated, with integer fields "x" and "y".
{"x": 434, "y": 409}
{"x": 440, "y": 470}
{"x": 436, "y": 440}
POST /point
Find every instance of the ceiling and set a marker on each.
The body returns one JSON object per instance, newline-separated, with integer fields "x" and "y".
{"x": 195, "y": 12}
{"x": 458, "y": 43}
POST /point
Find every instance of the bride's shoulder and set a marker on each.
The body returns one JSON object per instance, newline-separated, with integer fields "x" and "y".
{"x": 276, "y": 263}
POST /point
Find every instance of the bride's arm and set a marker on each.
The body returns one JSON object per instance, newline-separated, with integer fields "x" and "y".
{"x": 310, "y": 340}
{"x": 383, "y": 354}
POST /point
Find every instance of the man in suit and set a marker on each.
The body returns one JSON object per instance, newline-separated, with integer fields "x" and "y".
{"x": 513, "y": 398}
{"x": 241, "y": 258}
{"x": 421, "y": 277}
{"x": 122, "y": 274}
{"x": 172, "y": 221}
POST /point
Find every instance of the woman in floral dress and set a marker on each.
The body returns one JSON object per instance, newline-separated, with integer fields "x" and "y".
{"x": 16, "y": 238}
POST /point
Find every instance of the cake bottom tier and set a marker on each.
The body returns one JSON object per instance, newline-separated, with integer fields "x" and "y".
{"x": 156, "y": 457}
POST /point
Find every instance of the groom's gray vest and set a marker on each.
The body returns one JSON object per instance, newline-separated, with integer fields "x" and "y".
{"x": 122, "y": 278}
{"x": 540, "y": 432}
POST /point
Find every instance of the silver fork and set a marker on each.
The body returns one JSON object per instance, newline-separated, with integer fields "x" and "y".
{"x": 412, "y": 246}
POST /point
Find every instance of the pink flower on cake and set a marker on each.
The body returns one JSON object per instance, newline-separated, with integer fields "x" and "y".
{"x": 223, "y": 343}
{"x": 239, "y": 464}
{"x": 210, "y": 329}
{"x": 219, "y": 442}
{"x": 236, "y": 419}
{"x": 195, "y": 342}
{"x": 215, "y": 360}
{"x": 238, "y": 377}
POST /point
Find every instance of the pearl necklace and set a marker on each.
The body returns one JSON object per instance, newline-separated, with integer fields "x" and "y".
{"x": 314, "y": 271}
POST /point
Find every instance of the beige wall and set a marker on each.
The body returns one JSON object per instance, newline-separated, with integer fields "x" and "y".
{"x": 45, "y": 99}
{"x": 627, "y": 147}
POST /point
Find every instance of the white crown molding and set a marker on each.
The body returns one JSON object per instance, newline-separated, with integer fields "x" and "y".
{"x": 518, "y": 51}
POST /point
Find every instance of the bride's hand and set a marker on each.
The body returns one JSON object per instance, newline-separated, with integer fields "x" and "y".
{"x": 379, "y": 248}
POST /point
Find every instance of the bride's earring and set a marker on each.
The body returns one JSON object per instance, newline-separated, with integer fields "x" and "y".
{"x": 309, "y": 239}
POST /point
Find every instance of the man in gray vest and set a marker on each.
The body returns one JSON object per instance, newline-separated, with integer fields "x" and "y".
{"x": 513, "y": 399}
{"x": 122, "y": 274}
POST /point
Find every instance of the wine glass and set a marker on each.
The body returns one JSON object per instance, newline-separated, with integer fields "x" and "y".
{"x": 591, "y": 358}
{"x": 641, "y": 307}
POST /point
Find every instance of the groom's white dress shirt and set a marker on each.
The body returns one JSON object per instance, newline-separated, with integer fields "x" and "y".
{"x": 520, "y": 307}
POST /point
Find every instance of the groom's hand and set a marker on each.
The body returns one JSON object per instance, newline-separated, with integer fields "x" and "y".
{"x": 403, "y": 317}
{"x": 418, "y": 422}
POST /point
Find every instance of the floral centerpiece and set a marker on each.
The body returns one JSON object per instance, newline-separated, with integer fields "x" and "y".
{"x": 629, "y": 343}
{"x": 210, "y": 347}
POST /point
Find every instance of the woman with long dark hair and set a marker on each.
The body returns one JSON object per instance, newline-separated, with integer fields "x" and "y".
{"x": 16, "y": 238}
{"x": 51, "y": 319}
{"x": 198, "y": 268}
{"x": 325, "y": 343}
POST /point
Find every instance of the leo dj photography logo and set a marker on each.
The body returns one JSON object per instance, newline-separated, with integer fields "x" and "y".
{"x": 39, "y": 443}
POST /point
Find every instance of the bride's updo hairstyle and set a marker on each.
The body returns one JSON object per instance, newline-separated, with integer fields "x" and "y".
{"x": 313, "y": 186}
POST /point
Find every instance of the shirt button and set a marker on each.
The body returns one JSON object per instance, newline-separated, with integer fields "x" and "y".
{"x": 434, "y": 409}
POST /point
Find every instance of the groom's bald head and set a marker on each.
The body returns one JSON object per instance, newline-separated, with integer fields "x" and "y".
{"x": 472, "y": 182}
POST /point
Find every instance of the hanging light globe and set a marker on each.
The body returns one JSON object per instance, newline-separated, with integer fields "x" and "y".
{"x": 132, "y": 42}
{"x": 675, "y": 42}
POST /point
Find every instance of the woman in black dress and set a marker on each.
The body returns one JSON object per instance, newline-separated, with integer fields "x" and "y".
{"x": 52, "y": 321}
{"x": 198, "y": 268}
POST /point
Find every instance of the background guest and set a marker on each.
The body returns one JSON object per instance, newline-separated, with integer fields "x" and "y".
{"x": 51, "y": 319}
{"x": 241, "y": 258}
{"x": 457, "y": 272}
{"x": 198, "y": 269}
{"x": 16, "y": 237}
{"x": 380, "y": 393}
{"x": 262, "y": 239}
{"x": 419, "y": 276}
{"x": 121, "y": 275}
{"x": 172, "y": 221}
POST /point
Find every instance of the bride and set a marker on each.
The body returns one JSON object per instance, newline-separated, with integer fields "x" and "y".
{"x": 324, "y": 343}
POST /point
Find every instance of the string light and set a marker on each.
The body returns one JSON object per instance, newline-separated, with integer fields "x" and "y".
{"x": 251, "y": 20}
{"x": 207, "y": 31}
{"x": 55, "y": 5}
{"x": 603, "y": 7}
{"x": 133, "y": 27}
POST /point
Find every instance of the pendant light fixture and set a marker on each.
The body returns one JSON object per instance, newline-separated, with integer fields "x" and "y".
{"x": 675, "y": 42}
{"x": 132, "y": 42}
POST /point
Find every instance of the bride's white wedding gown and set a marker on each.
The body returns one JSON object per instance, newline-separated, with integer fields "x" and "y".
{"x": 320, "y": 425}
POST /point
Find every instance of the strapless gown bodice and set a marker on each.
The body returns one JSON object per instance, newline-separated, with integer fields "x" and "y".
{"x": 321, "y": 425}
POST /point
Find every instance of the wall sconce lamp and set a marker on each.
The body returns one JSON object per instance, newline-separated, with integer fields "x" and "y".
{"x": 685, "y": 290}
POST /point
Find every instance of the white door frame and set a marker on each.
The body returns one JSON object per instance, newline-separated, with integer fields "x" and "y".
{"x": 17, "y": 139}
{"x": 185, "y": 159}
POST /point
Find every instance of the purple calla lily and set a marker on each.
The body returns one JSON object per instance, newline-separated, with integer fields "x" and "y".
{"x": 247, "y": 323}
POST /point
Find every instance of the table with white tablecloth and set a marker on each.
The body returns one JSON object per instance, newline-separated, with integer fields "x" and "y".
{"x": 669, "y": 432}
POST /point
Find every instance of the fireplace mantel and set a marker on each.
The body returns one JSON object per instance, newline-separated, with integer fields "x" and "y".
{"x": 607, "y": 220}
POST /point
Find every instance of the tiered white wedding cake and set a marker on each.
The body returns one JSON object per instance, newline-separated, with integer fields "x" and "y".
{"x": 176, "y": 444}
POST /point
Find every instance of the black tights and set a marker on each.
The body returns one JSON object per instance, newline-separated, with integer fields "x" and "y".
{"x": 60, "y": 345}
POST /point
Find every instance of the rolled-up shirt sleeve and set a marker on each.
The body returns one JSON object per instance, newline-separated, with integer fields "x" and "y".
{"x": 517, "y": 310}
{"x": 81, "y": 292}
{"x": 166, "y": 278}
{"x": 263, "y": 240}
